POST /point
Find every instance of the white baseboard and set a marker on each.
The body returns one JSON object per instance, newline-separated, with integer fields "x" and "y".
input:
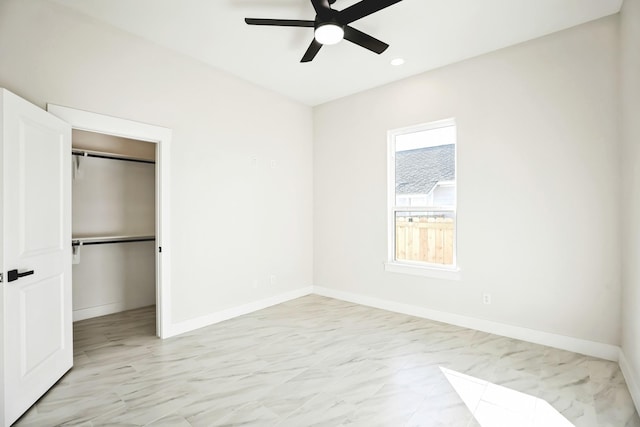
{"x": 210, "y": 319}
{"x": 632, "y": 379}
{"x": 576, "y": 345}
{"x": 102, "y": 310}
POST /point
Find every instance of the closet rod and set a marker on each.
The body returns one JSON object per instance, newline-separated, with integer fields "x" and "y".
{"x": 103, "y": 155}
{"x": 105, "y": 240}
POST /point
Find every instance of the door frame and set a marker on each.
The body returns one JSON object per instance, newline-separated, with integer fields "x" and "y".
{"x": 161, "y": 136}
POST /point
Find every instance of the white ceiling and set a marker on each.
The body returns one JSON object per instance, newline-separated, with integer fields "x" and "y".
{"x": 426, "y": 33}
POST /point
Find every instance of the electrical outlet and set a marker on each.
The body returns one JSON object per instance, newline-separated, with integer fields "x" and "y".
{"x": 486, "y": 298}
{"x": 272, "y": 279}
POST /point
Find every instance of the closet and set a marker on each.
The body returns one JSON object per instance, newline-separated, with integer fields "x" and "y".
{"x": 113, "y": 224}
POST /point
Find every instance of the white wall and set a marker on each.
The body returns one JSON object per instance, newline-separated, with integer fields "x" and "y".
{"x": 538, "y": 185}
{"x": 233, "y": 224}
{"x": 113, "y": 198}
{"x": 113, "y": 278}
{"x": 630, "y": 132}
{"x": 538, "y": 170}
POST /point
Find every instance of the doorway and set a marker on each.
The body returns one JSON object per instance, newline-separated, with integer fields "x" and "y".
{"x": 113, "y": 224}
{"x": 87, "y": 122}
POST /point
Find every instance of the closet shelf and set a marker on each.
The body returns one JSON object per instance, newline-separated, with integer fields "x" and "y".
{"x": 106, "y": 155}
{"x": 100, "y": 240}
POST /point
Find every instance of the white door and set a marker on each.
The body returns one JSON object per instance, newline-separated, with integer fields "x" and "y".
{"x": 35, "y": 255}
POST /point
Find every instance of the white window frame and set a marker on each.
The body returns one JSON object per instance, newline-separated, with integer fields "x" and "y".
{"x": 440, "y": 271}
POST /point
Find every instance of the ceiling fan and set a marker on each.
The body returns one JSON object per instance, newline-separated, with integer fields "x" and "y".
{"x": 331, "y": 26}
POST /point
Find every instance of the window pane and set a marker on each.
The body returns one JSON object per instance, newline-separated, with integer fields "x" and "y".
{"x": 425, "y": 237}
{"x": 425, "y": 167}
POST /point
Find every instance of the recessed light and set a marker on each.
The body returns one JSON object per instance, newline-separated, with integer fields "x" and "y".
{"x": 397, "y": 61}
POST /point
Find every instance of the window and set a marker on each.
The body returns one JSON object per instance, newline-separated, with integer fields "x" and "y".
{"x": 422, "y": 196}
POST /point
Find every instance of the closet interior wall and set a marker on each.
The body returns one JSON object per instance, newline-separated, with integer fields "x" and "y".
{"x": 113, "y": 198}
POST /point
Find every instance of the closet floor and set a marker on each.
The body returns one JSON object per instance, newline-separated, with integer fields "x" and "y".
{"x": 319, "y": 361}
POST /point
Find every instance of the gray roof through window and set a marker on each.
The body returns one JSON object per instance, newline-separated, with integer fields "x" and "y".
{"x": 419, "y": 170}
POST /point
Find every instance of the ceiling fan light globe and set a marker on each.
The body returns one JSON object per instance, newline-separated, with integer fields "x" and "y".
{"x": 329, "y": 34}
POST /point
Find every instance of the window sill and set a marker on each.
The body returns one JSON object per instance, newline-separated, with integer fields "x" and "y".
{"x": 452, "y": 273}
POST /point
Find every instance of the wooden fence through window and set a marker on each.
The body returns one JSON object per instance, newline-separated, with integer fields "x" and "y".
{"x": 425, "y": 238}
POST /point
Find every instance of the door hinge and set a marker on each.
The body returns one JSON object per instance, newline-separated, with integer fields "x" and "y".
{"x": 0, "y": 277}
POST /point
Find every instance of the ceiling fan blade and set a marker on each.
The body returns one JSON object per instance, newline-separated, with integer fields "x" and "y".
{"x": 280, "y": 22}
{"x": 362, "y": 9}
{"x": 323, "y": 10}
{"x": 312, "y": 51}
{"x": 364, "y": 40}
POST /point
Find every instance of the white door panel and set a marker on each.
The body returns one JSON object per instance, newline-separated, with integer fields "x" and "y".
{"x": 41, "y": 153}
{"x": 36, "y": 236}
{"x": 38, "y": 305}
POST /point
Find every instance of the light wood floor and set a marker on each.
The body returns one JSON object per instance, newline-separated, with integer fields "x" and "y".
{"x": 318, "y": 361}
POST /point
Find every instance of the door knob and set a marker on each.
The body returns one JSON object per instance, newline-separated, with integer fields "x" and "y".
{"x": 14, "y": 275}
